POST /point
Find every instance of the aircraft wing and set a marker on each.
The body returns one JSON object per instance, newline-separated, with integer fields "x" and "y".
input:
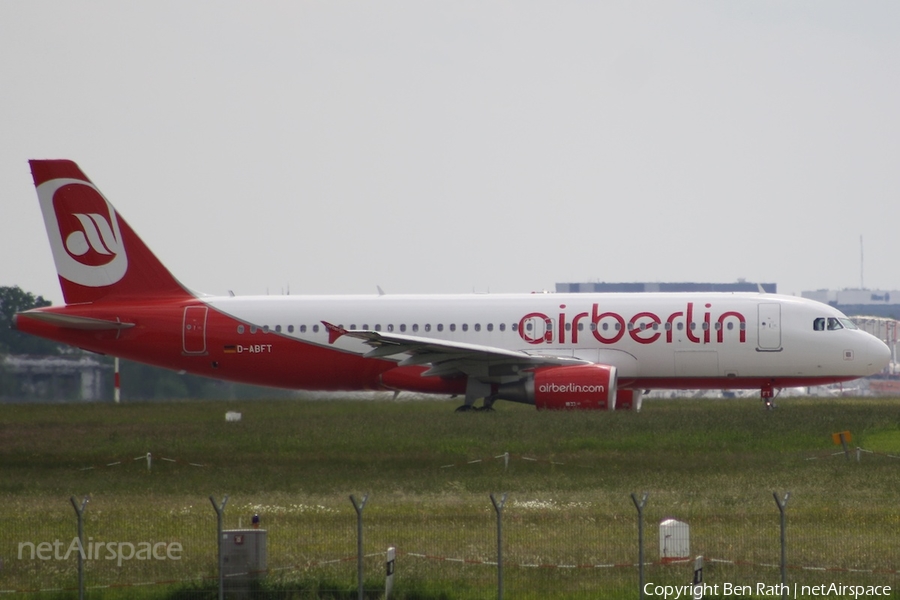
{"x": 449, "y": 358}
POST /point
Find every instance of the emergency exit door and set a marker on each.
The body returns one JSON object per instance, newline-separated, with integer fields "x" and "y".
{"x": 194, "y": 329}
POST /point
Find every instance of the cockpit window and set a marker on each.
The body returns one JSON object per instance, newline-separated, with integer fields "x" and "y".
{"x": 848, "y": 323}
{"x": 833, "y": 323}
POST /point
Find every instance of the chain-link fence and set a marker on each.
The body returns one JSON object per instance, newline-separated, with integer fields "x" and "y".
{"x": 454, "y": 545}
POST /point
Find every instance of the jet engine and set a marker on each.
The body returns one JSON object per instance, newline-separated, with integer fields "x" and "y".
{"x": 587, "y": 387}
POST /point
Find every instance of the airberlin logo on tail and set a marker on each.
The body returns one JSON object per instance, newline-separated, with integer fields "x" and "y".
{"x": 95, "y": 234}
{"x": 84, "y": 233}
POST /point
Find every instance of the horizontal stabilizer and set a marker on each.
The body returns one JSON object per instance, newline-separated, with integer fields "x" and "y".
{"x": 77, "y": 322}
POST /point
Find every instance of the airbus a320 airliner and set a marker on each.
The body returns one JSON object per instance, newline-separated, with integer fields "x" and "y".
{"x": 554, "y": 351}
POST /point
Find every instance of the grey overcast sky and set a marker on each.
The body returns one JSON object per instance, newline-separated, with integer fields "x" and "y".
{"x": 329, "y": 147}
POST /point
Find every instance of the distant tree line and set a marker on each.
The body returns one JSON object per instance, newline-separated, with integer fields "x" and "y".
{"x": 139, "y": 381}
{"x": 13, "y": 300}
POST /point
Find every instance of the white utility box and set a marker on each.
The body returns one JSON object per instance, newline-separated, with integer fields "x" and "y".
{"x": 674, "y": 541}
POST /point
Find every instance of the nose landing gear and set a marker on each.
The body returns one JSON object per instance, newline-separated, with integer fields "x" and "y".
{"x": 768, "y": 395}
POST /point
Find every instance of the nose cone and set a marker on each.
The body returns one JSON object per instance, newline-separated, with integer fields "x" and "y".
{"x": 877, "y": 355}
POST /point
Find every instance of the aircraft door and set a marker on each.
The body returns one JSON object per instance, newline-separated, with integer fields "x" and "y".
{"x": 769, "y": 326}
{"x": 193, "y": 329}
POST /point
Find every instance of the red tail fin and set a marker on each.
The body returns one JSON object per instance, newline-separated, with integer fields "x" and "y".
{"x": 98, "y": 256}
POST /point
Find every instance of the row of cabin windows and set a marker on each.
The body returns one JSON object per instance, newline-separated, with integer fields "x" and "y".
{"x": 529, "y": 326}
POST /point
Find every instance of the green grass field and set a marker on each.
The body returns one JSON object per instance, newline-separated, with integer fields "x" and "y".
{"x": 711, "y": 463}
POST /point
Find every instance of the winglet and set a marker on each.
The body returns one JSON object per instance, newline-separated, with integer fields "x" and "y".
{"x": 334, "y": 332}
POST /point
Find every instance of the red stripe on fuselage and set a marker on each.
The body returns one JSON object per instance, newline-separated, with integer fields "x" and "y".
{"x": 259, "y": 358}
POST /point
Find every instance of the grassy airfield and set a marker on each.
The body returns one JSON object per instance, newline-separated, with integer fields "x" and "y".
{"x": 711, "y": 463}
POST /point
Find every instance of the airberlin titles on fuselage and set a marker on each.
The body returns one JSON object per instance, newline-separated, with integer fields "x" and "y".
{"x": 644, "y": 327}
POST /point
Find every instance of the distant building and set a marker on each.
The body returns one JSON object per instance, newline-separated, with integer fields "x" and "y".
{"x": 54, "y": 378}
{"x": 873, "y": 303}
{"x": 639, "y": 287}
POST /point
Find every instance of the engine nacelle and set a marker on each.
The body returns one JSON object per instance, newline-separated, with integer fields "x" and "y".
{"x": 587, "y": 387}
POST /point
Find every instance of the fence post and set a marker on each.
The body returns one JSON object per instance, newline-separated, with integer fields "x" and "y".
{"x": 781, "y": 506}
{"x": 79, "y": 512}
{"x": 640, "y": 510}
{"x": 359, "y": 542}
{"x": 389, "y": 572}
{"x": 220, "y": 514}
{"x": 698, "y": 578}
{"x": 498, "y": 506}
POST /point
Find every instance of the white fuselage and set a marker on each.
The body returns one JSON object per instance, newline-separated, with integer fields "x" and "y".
{"x": 648, "y": 337}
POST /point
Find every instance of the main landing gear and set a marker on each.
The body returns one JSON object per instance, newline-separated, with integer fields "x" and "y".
{"x": 472, "y": 408}
{"x": 475, "y": 390}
